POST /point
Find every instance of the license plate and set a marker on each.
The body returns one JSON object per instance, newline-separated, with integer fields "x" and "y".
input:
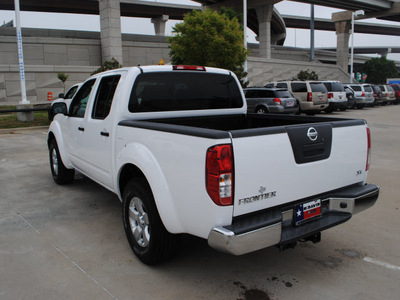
{"x": 290, "y": 104}
{"x": 320, "y": 98}
{"x": 308, "y": 211}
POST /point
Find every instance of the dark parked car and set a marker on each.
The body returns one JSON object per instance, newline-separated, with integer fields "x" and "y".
{"x": 396, "y": 88}
{"x": 270, "y": 100}
{"x": 379, "y": 99}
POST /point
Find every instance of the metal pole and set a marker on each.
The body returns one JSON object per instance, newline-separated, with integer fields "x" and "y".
{"x": 352, "y": 47}
{"x": 245, "y": 33}
{"x": 312, "y": 49}
{"x": 20, "y": 53}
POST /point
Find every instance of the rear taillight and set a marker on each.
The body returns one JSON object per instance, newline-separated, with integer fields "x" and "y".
{"x": 330, "y": 95}
{"x": 362, "y": 94}
{"x": 219, "y": 174}
{"x": 368, "y": 149}
{"x": 277, "y": 100}
{"x": 309, "y": 97}
{"x": 191, "y": 68}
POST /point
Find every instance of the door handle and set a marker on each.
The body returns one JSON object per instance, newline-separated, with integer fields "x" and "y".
{"x": 103, "y": 133}
{"x": 81, "y": 129}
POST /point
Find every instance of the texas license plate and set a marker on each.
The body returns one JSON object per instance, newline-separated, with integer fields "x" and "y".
{"x": 308, "y": 211}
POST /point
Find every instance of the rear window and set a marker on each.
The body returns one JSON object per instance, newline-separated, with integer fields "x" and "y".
{"x": 334, "y": 86}
{"x": 180, "y": 90}
{"x": 283, "y": 94}
{"x": 368, "y": 88}
{"x": 356, "y": 88}
{"x": 317, "y": 87}
{"x": 390, "y": 88}
{"x": 396, "y": 87}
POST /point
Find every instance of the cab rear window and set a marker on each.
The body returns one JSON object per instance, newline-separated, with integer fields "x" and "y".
{"x": 175, "y": 91}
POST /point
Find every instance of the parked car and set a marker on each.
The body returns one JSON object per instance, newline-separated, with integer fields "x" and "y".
{"x": 396, "y": 88}
{"x": 363, "y": 94}
{"x": 388, "y": 93}
{"x": 336, "y": 96}
{"x": 263, "y": 100}
{"x": 378, "y": 96}
{"x": 350, "y": 96}
{"x": 67, "y": 98}
{"x": 311, "y": 95}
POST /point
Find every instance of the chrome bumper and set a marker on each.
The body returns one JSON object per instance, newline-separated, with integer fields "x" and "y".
{"x": 275, "y": 227}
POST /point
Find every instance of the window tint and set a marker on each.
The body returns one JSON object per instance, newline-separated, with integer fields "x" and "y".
{"x": 78, "y": 105}
{"x": 250, "y": 93}
{"x": 318, "y": 87}
{"x": 282, "y": 85}
{"x": 104, "y": 96}
{"x": 299, "y": 87}
{"x": 356, "y": 88}
{"x": 368, "y": 88}
{"x": 71, "y": 92}
{"x": 266, "y": 94}
{"x": 334, "y": 86}
{"x": 396, "y": 87}
{"x": 283, "y": 94}
{"x": 181, "y": 90}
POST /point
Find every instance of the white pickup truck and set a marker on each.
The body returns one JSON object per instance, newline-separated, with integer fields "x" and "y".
{"x": 176, "y": 145}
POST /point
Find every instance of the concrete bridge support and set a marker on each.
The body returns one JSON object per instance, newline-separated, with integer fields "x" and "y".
{"x": 343, "y": 25}
{"x": 159, "y": 24}
{"x": 110, "y": 24}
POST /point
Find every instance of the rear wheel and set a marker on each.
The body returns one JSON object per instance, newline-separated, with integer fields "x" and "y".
{"x": 146, "y": 234}
{"x": 61, "y": 174}
{"x": 261, "y": 110}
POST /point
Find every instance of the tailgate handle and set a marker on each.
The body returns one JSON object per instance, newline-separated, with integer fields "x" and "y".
{"x": 313, "y": 149}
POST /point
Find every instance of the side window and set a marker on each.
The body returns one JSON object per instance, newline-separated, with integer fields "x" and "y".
{"x": 104, "y": 96}
{"x": 251, "y": 94}
{"x": 78, "y": 104}
{"x": 71, "y": 92}
{"x": 267, "y": 94}
{"x": 299, "y": 87}
{"x": 282, "y": 85}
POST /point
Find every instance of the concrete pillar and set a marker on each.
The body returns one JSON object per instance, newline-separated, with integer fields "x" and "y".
{"x": 342, "y": 22}
{"x": 110, "y": 23}
{"x": 264, "y": 16}
{"x": 159, "y": 24}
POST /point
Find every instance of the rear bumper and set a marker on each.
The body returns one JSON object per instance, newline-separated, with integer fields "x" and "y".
{"x": 276, "y": 227}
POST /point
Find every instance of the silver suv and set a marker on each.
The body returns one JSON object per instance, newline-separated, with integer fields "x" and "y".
{"x": 363, "y": 94}
{"x": 336, "y": 96}
{"x": 312, "y": 95}
{"x": 270, "y": 100}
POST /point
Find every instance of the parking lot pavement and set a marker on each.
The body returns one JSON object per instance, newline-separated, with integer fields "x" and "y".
{"x": 67, "y": 242}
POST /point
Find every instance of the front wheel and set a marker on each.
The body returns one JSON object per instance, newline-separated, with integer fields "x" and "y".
{"x": 61, "y": 174}
{"x": 146, "y": 234}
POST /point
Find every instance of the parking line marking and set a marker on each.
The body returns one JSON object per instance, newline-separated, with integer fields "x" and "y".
{"x": 382, "y": 263}
{"x": 67, "y": 258}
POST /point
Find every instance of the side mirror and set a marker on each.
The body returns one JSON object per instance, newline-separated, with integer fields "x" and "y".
{"x": 61, "y": 95}
{"x": 58, "y": 108}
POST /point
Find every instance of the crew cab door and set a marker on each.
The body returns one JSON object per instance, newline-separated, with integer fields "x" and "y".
{"x": 96, "y": 153}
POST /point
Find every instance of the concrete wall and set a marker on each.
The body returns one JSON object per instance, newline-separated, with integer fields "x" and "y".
{"x": 78, "y": 54}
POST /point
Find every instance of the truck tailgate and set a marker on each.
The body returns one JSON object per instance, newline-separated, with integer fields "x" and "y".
{"x": 289, "y": 163}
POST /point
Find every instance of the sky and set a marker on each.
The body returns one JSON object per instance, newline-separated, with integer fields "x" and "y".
{"x": 295, "y": 37}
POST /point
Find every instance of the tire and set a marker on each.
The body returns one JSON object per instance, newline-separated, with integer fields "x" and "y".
{"x": 61, "y": 174}
{"x": 261, "y": 110}
{"x": 146, "y": 234}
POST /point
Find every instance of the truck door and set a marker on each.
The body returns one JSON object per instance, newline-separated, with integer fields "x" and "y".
{"x": 74, "y": 129}
{"x": 97, "y": 144}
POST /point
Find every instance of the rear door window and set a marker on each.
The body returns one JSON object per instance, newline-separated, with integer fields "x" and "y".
{"x": 104, "y": 96}
{"x": 299, "y": 87}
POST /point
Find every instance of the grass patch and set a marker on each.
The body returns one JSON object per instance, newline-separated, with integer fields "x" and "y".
{"x": 9, "y": 120}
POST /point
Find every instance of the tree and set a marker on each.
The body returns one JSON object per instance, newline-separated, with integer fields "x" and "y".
{"x": 210, "y": 38}
{"x": 108, "y": 65}
{"x": 306, "y": 75}
{"x": 63, "y": 77}
{"x": 378, "y": 69}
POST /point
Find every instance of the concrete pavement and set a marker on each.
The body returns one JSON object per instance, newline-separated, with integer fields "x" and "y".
{"x": 67, "y": 242}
